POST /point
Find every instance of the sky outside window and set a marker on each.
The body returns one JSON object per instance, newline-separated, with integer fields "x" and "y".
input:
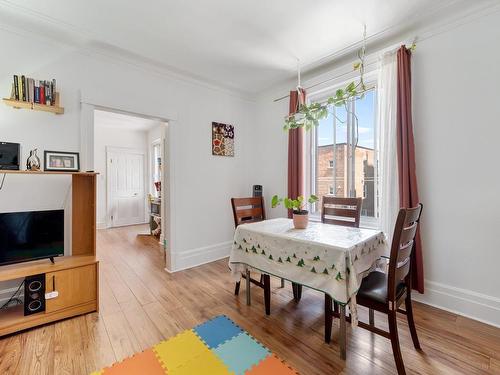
{"x": 365, "y": 112}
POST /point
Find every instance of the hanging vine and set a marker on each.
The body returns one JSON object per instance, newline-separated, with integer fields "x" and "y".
{"x": 309, "y": 115}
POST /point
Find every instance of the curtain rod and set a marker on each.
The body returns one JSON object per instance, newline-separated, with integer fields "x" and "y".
{"x": 430, "y": 34}
{"x": 324, "y": 81}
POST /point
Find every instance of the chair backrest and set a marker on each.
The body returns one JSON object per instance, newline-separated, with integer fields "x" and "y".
{"x": 248, "y": 210}
{"x": 341, "y": 211}
{"x": 403, "y": 242}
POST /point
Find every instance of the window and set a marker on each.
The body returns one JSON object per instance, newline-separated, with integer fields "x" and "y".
{"x": 156, "y": 161}
{"x": 343, "y": 159}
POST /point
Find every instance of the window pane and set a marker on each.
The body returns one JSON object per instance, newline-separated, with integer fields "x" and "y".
{"x": 341, "y": 187}
{"x": 324, "y": 159}
{"x": 365, "y": 154}
{"x": 340, "y": 166}
{"x": 331, "y": 154}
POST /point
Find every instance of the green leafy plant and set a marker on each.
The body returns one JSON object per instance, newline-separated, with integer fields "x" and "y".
{"x": 308, "y": 116}
{"x": 297, "y": 205}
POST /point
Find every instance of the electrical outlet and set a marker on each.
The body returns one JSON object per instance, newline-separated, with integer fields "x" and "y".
{"x": 51, "y": 295}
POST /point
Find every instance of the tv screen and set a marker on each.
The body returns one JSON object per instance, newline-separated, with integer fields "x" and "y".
{"x": 31, "y": 235}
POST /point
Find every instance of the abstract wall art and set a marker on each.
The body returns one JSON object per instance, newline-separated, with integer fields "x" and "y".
{"x": 222, "y": 139}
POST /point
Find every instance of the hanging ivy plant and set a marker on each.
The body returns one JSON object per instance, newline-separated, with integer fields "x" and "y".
{"x": 309, "y": 115}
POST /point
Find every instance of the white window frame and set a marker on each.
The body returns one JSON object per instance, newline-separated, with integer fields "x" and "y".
{"x": 155, "y": 143}
{"x": 311, "y": 167}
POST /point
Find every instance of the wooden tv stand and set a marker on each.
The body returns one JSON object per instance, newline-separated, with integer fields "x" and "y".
{"x": 75, "y": 277}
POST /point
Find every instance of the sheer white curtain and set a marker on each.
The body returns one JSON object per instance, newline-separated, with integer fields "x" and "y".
{"x": 387, "y": 106}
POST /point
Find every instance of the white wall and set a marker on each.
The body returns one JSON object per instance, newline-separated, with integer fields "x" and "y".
{"x": 201, "y": 183}
{"x": 456, "y": 118}
{"x": 113, "y": 137}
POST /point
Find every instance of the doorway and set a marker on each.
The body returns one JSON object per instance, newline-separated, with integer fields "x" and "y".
{"x": 127, "y": 149}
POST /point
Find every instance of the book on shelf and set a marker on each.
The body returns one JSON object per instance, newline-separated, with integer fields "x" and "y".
{"x": 16, "y": 87}
{"x": 23, "y": 85}
{"x": 29, "y": 90}
{"x": 42, "y": 92}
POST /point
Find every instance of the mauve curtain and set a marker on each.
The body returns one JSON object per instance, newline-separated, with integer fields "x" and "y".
{"x": 296, "y": 150}
{"x": 408, "y": 190}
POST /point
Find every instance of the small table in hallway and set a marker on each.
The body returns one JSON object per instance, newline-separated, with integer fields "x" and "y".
{"x": 329, "y": 258}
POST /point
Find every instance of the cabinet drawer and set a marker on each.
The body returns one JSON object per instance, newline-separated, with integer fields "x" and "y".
{"x": 75, "y": 286}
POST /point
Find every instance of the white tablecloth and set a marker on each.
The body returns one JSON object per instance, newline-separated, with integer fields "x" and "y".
{"x": 330, "y": 258}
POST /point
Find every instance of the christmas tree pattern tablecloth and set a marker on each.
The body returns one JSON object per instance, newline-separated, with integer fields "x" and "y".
{"x": 330, "y": 258}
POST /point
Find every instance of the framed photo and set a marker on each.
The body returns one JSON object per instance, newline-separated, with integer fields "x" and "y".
{"x": 222, "y": 139}
{"x": 61, "y": 161}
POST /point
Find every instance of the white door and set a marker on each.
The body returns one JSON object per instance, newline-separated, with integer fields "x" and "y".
{"x": 126, "y": 200}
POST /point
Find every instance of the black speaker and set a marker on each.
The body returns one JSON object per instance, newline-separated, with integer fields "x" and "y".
{"x": 257, "y": 190}
{"x": 34, "y": 294}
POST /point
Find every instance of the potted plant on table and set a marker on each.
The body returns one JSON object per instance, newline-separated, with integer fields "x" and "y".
{"x": 300, "y": 215}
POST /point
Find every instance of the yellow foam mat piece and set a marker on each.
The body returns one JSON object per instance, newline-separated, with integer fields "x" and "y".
{"x": 179, "y": 350}
{"x": 206, "y": 363}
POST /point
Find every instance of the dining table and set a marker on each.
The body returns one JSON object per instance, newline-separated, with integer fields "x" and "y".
{"x": 332, "y": 259}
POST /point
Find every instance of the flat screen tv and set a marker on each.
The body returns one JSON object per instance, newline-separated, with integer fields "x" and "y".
{"x": 32, "y": 235}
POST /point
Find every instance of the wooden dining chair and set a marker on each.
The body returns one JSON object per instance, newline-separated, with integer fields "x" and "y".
{"x": 341, "y": 211}
{"x": 248, "y": 210}
{"x": 251, "y": 210}
{"x": 385, "y": 292}
{"x": 345, "y": 212}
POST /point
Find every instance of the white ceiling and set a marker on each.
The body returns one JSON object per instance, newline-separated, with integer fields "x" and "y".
{"x": 245, "y": 45}
{"x": 114, "y": 120}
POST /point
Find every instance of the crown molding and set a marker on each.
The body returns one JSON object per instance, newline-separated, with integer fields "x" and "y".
{"x": 35, "y": 25}
{"x": 83, "y": 41}
{"x": 420, "y": 31}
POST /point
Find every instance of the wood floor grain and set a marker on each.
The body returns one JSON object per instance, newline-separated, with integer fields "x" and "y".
{"x": 142, "y": 304}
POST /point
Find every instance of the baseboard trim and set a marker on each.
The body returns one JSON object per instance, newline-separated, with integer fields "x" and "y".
{"x": 182, "y": 260}
{"x": 477, "y": 306}
{"x": 102, "y": 225}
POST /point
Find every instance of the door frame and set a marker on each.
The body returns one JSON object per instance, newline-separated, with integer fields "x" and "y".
{"x": 90, "y": 101}
{"x": 130, "y": 150}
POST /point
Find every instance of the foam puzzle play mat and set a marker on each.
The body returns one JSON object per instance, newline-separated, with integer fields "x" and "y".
{"x": 216, "y": 347}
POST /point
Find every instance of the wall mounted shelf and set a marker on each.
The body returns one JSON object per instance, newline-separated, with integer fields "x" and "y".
{"x": 6, "y": 171}
{"x": 19, "y": 104}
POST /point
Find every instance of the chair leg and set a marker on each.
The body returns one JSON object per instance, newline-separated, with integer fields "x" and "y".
{"x": 396, "y": 350}
{"x": 237, "y": 288}
{"x": 335, "y": 307}
{"x": 411, "y": 322}
{"x": 297, "y": 292}
{"x": 267, "y": 293}
{"x": 342, "y": 333}
{"x": 371, "y": 317}
{"x": 247, "y": 285}
{"x": 328, "y": 318}
{"x": 282, "y": 283}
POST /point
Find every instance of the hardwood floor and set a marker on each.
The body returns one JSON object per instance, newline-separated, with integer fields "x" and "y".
{"x": 142, "y": 304}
